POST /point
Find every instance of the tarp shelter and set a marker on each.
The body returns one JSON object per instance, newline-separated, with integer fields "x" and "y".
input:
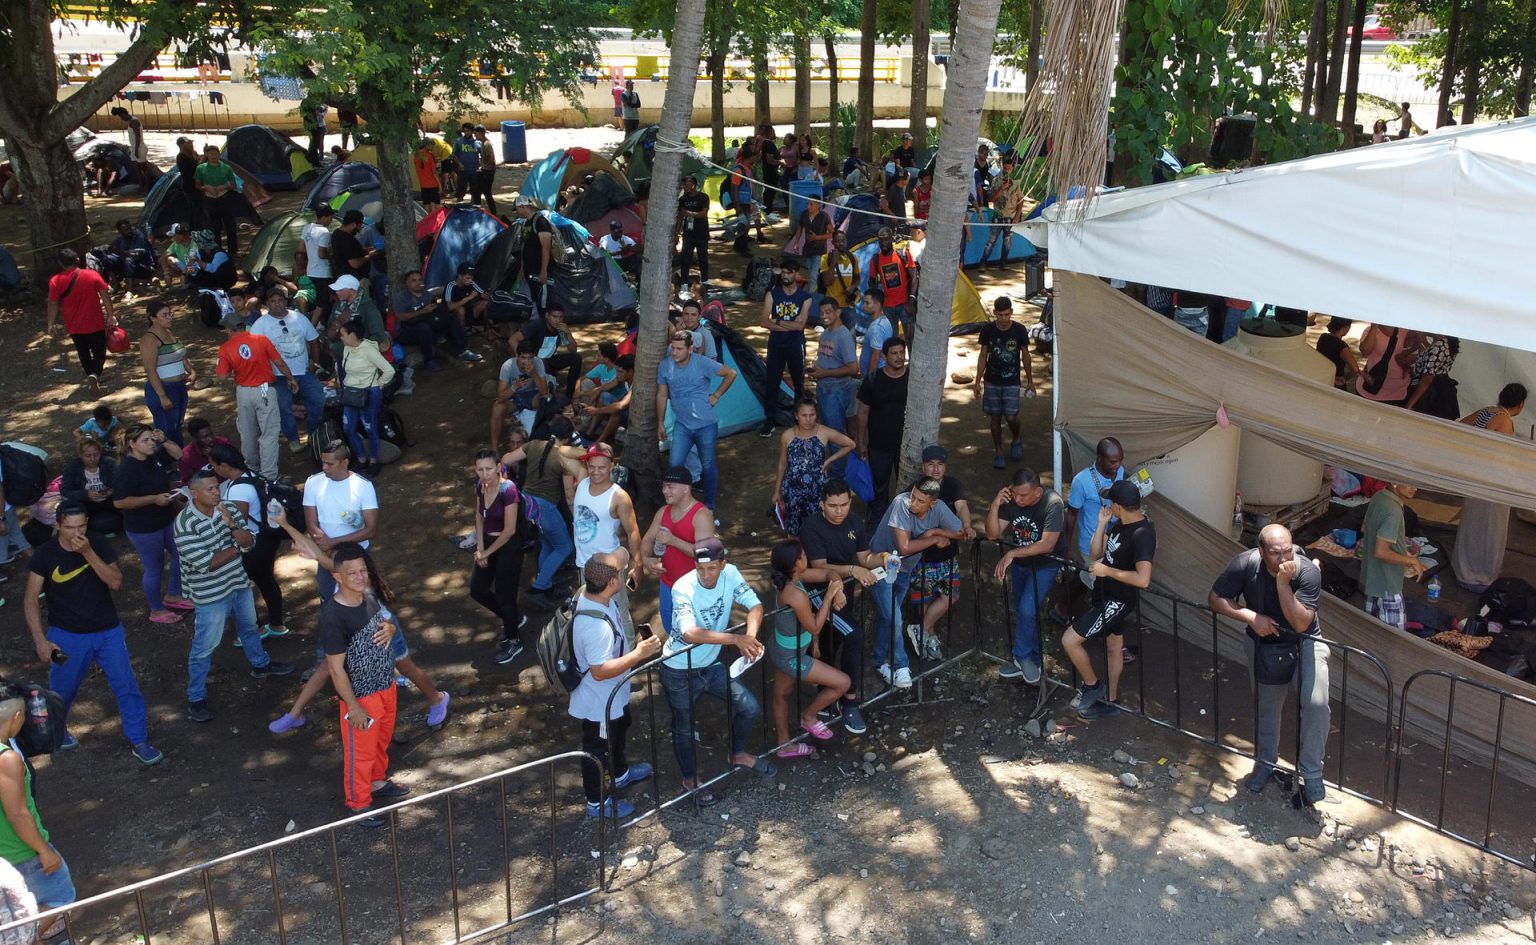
{"x": 562, "y": 168}
{"x": 338, "y": 179}
{"x": 859, "y": 227}
{"x": 277, "y": 241}
{"x": 636, "y": 156}
{"x": 966, "y": 311}
{"x": 457, "y": 235}
{"x": 278, "y": 162}
{"x": 167, "y": 202}
{"x": 583, "y": 279}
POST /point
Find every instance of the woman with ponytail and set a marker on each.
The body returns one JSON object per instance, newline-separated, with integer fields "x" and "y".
{"x": 794, "y": 649}
{"x": 552, "y": 468}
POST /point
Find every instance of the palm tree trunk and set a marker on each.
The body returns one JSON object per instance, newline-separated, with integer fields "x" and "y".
{"x": 1448, "y": 65}
{"x": 1032, "y": 67}
{"x": 1352, "y": 82}
{"x": 762, "y": 100}
{"x": 1527, "y": 65}
{"x": 864, "y": 133}
{"x": 834, "y": 159}
{"x": 641, "y": 452}
{"x": 802, "y": 82}
{"x": 964, "y": 91}
{"x": 921, "y": 35}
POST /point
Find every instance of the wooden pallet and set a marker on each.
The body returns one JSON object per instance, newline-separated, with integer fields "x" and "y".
{"x": 1294, "y": 516}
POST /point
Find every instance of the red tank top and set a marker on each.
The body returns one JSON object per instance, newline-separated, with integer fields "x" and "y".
{"x": 674, "y": 563}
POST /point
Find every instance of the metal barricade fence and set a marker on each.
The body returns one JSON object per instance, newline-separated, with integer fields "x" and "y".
{"x": 318, "y": 872}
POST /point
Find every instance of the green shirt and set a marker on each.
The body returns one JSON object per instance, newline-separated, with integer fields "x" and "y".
{"x": 221, "y": 176}
{"x": 11, "y": 846}
{"x": 199, "y": 538}
{"x": 1383, "y": 519}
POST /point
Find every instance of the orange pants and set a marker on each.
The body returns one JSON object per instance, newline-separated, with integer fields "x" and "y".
{"x": 365, "y": 751}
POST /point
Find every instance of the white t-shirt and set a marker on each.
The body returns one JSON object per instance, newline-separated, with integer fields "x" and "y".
{"x": 235, "y": 491}
{"x": 292, "y": 343}
{"x": 596, "y": 529}
{"x": 339, "y": 506}
{"x": 704, "y": 608}
{"x": 316, "y": 235}
{"x": 594, "y": 641}
{"x": 615, "y": 247}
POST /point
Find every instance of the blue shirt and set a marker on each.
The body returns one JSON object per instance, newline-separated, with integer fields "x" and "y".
{"x": 874, "y": 338}
{"x": 1085, "y": 498}
{"x": 467, "y": 150}
{"x": 688, "y": 387}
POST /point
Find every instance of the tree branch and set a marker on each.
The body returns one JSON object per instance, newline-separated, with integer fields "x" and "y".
{"x": 81, "y": 104}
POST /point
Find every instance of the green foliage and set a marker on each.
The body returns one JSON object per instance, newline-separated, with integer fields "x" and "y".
{"x": 1505, "y": 37}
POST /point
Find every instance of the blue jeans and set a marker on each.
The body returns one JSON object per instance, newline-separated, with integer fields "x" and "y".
{"x": 702, "y": 439}
{"x": 685, "y": 686}
{"x": 312, "y": 393}
{"x": 154, "y": 549}
{"x": 1030, "y": 584}
{"x": 209, "y": 633}
{"x": 888, "y": 630}
{"x": 168, "y": 420}
{"x": 369, "y": 417}
{"x": 109, "y": 650}
{"x": 833, "y": 399}
{"x": 51, "y": 890}
{"x": 555, "y": 544}
{"x": 664, "y": 603}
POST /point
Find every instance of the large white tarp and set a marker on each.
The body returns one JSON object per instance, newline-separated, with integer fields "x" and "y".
{"x": 1432, "y": 233}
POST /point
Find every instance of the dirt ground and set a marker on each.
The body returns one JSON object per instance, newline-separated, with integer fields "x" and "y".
{"x": 1038, "y": 846}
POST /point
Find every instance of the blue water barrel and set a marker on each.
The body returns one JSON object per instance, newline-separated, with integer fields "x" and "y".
{"x": 801, "y": 189}
{"x": 514, "y": 143}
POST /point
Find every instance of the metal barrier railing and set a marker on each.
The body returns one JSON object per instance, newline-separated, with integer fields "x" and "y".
{"x": 241, "y": 867}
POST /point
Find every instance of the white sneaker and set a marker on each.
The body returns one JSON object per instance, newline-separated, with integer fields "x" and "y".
{"x": 884, "y": 669}
{"x": 903, "y": 679}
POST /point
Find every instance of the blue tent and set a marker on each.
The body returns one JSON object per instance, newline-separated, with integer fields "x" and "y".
{"x": 10, "y": 276}
{"x": 858, "y": 226}
{"x": 340, "y": 178}
{"x": 463, "y": 233}
{"x": 583, "y": 278}
{"x": 1019, "y": 248}
{"x": 741, "y": 408}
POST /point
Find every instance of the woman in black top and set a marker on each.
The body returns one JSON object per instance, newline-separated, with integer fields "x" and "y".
{"x": 88, "y": 480}
{"x": 142, "y": 491}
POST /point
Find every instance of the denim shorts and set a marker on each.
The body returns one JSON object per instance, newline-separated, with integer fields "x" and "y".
{"x": 398, "y": 649}
{"x": 50, "y": 889}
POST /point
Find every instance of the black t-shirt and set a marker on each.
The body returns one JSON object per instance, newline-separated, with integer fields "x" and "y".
{"x": 1005, "y": 351}
{"x": 345, "y": 247}
{"x": 533, "y": 249}
{"x": 537, "y": 330}
{"x": 349, "y": 630}
{"x": 78, "y": 600}
{"x": 818, "y": 232}
{"x": 835, "y": 544}
{"x": 186, "y": 164}
{"x": 1124, "y": 546}
{"x": 886, "y": 398}
{"x": 896, "y": 196}
{"x": 1025, "y": 525}
{"x": 1333, "y": 347}
{"x": 694, "y": 227}
{"x": 1246, "y": 580}
{"x": 906, "y": 156}
{"x": 951, "y": 491}
{"x": 138, "y": 477}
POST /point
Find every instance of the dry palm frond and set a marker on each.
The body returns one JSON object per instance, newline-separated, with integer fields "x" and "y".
{"x": 1273, "y": 15}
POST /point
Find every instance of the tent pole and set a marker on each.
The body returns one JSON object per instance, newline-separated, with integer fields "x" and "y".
{"x": 1055, "y": 405}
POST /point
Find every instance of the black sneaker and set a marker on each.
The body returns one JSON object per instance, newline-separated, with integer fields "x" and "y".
{"x": 1088, "y": 695}
{"x": 1099, "y": 710}
{"x": 765, "y": 431}
{"x": 272, "y": 669}
{"x": 853, "y": 720}
{"x": 199, "y": 711}
{"x": 507, "y": 651}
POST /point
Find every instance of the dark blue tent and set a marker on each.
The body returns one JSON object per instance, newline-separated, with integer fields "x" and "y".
{"x": 462, "y": 234}
{"x": 859, "y": 226}
{"x": 340, "y": 178}
{"x": 583, "y": 278}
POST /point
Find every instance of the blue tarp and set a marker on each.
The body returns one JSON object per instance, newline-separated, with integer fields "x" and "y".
{"x": 1019, "y": 248}
{"x": 463, "y": 235}
{"x": 544, "y": 179}
{"x": 340, "y": 178}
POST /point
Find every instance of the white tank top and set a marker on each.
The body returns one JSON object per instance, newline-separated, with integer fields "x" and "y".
{"x": 595, "y": 525}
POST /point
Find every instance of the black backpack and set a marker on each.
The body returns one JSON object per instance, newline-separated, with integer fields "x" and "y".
{"x": 1508, "y": 600}
{"x": 759, "y": 278}
{"x": 392, "y": 427}
{"x": 291, "y": 497}
{"x": 26, "y": 475}
{"x": 42, "y": 728}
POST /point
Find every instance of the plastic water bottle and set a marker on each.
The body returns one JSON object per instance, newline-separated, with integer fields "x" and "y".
{"x": 892, "y": 568}
{"x": 1237, "y": 518}
{"x": 658, "y": 548}
{"x": 1434, "y": 588}
{"x": 37, "y": 711}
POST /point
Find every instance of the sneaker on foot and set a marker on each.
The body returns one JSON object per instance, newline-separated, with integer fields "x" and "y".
{"x": 884, "y": 669}
{"x": 902, "y": 679}
{"x": 612, "y": 807}
{"x": 272, "y": 669}
{"x": 999, "y": 463}
{"x": 470, "y": 356}
{"x": 1259, "y": 779}
{"x": 507, "y": 651}
{"x": 853, "y": 720}
{"x": 70, "y": 742}
{"x": 1087, "y": 695}
{"x": 1313, "y": 792}
{"x": 391, "y": 790}
{"x": 199, "y": 711}
{"x": 765, "y": 431}
{"x": 148, "y": 754}
{"x": 285, "y": 723}
{"x": 916, "y": 635}
{"x": 1031, "y": 671}
{"x": 296, "y": 446}
{"x": 1099, "y": 710}
{"x": 407, "y": 388}
{"x": 1016, "y": 451}
{"x": 1011, "y": 670}
{"x": 638, "y": 771}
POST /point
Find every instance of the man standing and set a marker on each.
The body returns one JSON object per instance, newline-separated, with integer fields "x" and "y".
{"x": 702, "y": 603}
{"x": 24, "y": 843}
{"x": 1124, "y": 544}
{"x": 211, "y": 535}
{"x": 352, "y": 304}
{"x": 424, "y": 320}
{"x": 1026, "y": 518}
{"x": 339, "y": 506}
{"x": 893, "y": 203}
{"x": 483, "y": 183}
{"x": 684, "y": 381}
{"x": 693, "y": 225}
{"x": 1008, "y": 205}
{"x": 347, "y": 248}
{"x": 836, "y": 371}
{"x": 295, "y": 338}
{"x": 882, "y": 416}
{"x": 877, "y": 329}
{"x": 78, "y": 573}
{"x": 1280, "y": 588}
{"x": 317, "y": 256}
{"x": 1384, "y": 556}
{"x": 1090, "y": 493}
{"x": 553, "y": 344}
{"x": 1004, "y": 346}
{"x": 678, "y": 526}
{"x": 538, "y": 234}
{"x": 250, "y": 359}
{"x": 604, "y": 656}
{"x": 916, "y": 521}
{"x": 138, "y": 150}
{"x": 894, "y": 272}
{"x": 84, "y": 299}
{"x": 221, "y": 199}
{"x": 467, "y": 150}
{"x": 786, "y": 309}
{"x": 603, "y": 515}
{"x": 355, "y": 632}
{"x": 739, "y": 186}
{"x": 631, "y": 108}
{"x": 186, "y": 169}
{"x": 838, "y": 545}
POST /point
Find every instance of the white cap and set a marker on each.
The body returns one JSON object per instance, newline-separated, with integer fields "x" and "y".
{"x": 344, "y": 283}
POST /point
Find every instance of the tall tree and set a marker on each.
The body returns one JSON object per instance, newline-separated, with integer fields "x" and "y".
{"x": 641, "y": 452}
{"x": 1448, "y": 70}
{"x": 964, "y": 91}
{"x": 1338, "y": 28}
{"x": 834, "y": 159}
{"x": 1476, "y": 41}
{"x": 921, "y": 41}
{"x": 802, "y": 49}
{"x": 1527, "y": 63}
{"x": 1352, "y": 82}
{"x": 1032, "y": 47}
{"x": 762, "y": 82}
{"x": 864, "y": 131}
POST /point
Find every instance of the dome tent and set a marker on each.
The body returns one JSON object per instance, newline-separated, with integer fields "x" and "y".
{"x": 584, "y": 279}
{"x": 452, "y": 236}
{"x": 167, "y": 201}
{"x": 277, "y": 161}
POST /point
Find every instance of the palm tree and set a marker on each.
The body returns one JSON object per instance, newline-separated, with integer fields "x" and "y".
{"x": 921, "y": 23}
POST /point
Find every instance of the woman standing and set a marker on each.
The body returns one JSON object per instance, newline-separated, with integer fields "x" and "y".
{"x": 498, "y": 550}
{"x": 88, "y": 481}
{"x": 168, "y": 373}
{"x": 1482, "y": 534}
{"x": 794, "y": 650}
{"x": 142, "y": 491}
{"x": 805, "y": 455}
{"x": 237, "y": 484}
{"x": 1389, "y": 353}
{"x": 1433, "y": 391}
{"x": 364, "y": 372}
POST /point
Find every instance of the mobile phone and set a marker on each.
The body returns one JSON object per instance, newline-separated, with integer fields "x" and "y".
{"x": 58, "y": 657}
{"x": 643, "y": 631}
{"x": 347, "y": 717}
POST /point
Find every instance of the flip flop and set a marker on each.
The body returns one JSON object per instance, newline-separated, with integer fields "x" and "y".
{"x": 180, "y": 605}
{"x": 165, "y": 616}
{"x": 762, "y": 767}
{"x": 818, "y": 730}
{"x": 797, "y": 750}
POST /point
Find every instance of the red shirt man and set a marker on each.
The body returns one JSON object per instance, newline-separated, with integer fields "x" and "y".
{"x": 249, "y": 358}
{"x": 85, "y": 300}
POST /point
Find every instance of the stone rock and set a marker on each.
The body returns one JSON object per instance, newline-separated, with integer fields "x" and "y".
{"x": 630, "y": 862}
{"x": 870, "y": 756}
{"x": 1170, "y": 890}
{"x": 1293, "y": 844}
{"x": 1512, "y": 911}
{"x": 995, "y": 849}
{"x": 1197, "y": 810}
{"x": 1032, "y": 728}
{"x": 869, "y": 769}
{"x": 1121, "y": 757}
{"x": 1356, "y": 895}
{"x": 743, "y": 858}
{"x": 1051, "y": 726}
{"x": 1129, "y": 780}
{"x": 719, "y": 888}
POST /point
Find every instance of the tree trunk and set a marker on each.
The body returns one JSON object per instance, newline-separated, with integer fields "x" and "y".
{"x": 762, "y": 99}
{"x": 1474, "y": 50}
{"x": 864, "y": 132}
{"x": 921, "y": 47}
{"x": 1527, "y": 65}
{"x": 802, "y": 83}
{"x": 834, "y": 155}
{"x": 1448, "y": 66}
{"x": 717, "y": 104}
{"x": 641, "y": 451}
{"x": 965, "y": 90}
{"x": 1335, "y": 62}
{"x": 1032, "y": 50}
{"x": 1352, "y": 83}
{"x": 396, "y": 187}
{"x": 1320, "y": 77}
{"x": 55, "y": 204}
{"x": 1309, "y": 70}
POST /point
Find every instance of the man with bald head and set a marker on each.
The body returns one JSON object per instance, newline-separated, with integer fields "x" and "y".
{"x": 1279, "y": 588}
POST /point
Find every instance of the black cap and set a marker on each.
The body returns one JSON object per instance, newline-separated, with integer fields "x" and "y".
{"x": 708, "y": 550}
{"x": 1124, "y": 493}
{"x": 324, "y": 210}
{"x": 935, "y": 452}
{"x": 615, "y": 225}
{"x": 466, "y": 269}
{"x": 352, "y": 216}
{"x": 678, "y": 475}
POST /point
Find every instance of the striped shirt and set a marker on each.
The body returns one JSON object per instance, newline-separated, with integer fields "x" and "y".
{"x": 199, "y": 538}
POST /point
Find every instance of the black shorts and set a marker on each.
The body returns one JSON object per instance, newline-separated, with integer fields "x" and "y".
{"x": 431, "y": 195}
{"x": 1105, "y": 618}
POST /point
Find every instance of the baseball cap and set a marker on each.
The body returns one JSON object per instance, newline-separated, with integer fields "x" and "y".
{"x": 708, "y": 550}
{"x": 678, "y": 475}
{"x": 466, "y": 269}
{"x": 178, "y": 229}
{"x": 935, "y": 452}
{"x": 597, "y": 449}
{"x": 479, "y": 127}
{"x": 615, "y": 225}
{"x": 343, "y": 283}
{"x": 886, "y": 233}
{"x": 524, "y": 200}
{"x": 1124, "y": 493}
{"x": 906, "y": 136}
{"x": 352, "y": 216}
{"x": 325, "y": 210}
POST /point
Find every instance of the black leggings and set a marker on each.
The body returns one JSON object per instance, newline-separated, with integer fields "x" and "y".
{"x": 849, "y": 650}
{"x": 593, "y": 743}
{"x": 92, "y": 351}
{"x": 494, "y": 586}
{"x": 260, "y": 563}
{"x": 695, "y": 249}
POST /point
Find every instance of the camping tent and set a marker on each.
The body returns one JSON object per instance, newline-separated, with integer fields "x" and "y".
{"x": 167, "y": 202}
{"x": 277, "y": 241}
{"x": 457, "y": 235}
{"x": 1018, "y": 248}
{"x": 635, "y": 159}
{"x": 583, "y": 278}
{"x": 741, "y": 408}
{"x": 966, "y": 311}
{"x": 340, "y": 178}
{"x": 566, "y": 166}
{"x": 276, "y": 160}
{"x": 607, "y": 199}
{"x": 858, "y": 226}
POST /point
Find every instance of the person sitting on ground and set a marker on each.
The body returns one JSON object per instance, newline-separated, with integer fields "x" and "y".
{"x": 179, "y": 254}
{"x": 521, "y": 386}
{"x": 611, "y": 411}
{"x": 624, "y": 250}
{"x": 601, "y": 373}
{"x": 130, "y": 256}
{"x": 465, "y": 299}
{"x": 553, "y": 344}
{"x": 795, "y": 649}
{"x": 103, "y": 427}
{"x": 424, "y": 319}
